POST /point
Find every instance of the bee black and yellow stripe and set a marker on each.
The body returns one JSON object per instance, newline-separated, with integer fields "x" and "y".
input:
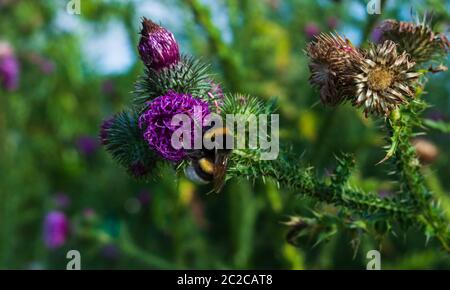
{"x": 203, "y": 168}
{"x": 217, "y": 131}
{"x": 206, "y": 165}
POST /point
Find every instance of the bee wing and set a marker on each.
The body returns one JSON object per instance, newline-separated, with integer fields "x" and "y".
{"x": 220, "y": 171}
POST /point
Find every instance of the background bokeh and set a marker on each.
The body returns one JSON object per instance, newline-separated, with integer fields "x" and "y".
{"x": 75, "y": 70}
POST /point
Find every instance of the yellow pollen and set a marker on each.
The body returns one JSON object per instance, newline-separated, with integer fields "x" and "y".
{"x": 380, "y": 79}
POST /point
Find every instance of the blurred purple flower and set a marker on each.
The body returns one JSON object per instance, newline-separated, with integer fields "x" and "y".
{"x": 9, "y": 68}
{"x": 108, "y": 87}
{"x": 311, "y": 30}
{"x": 376, "y": 35}
{"x": 138, "y": 169}
{"x": 110, "y": 252}
{"x": 56, "y": 229}
{"x": 332, "y": 22}
{"x": 157, "y": 47}
{"x": 47, "y": 66}
{"x": 89, "y": 213}
{"x": 384, "y": 193}
{"x": 156, "y": 121}
{"x": 35, "y": 265}
{"x": 436, "y": 115}
{"x": 62, "y": 200}
{"x": 87, "y": 145}
{"x": 104, "y": 128}
{"x": 144, "y": 197}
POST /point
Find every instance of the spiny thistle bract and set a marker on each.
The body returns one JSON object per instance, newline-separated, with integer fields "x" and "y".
{"x": 123, "y": 139}
{"x": 104, "y": 128}
{"x": 238, "y": 104}
{"x": 417, "y": 39}
{"x": 189, "y": 76}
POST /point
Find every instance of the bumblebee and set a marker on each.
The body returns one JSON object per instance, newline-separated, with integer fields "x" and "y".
{"x": 210, "y": 165}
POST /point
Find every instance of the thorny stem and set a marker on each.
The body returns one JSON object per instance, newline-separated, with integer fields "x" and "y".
{"x": 400, "y": 124}
{"x": 412, "y": 205}
{"x": 293, "y": 176}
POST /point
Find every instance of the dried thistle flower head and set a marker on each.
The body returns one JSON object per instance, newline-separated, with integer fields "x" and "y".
{"x": 333, "y": 60}
{"x": 385, "y": 79}
{"x": 417, "y": 39}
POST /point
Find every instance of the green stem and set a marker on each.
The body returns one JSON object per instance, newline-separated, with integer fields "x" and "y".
{"x": 433, "y": 182}
{"x": 225, "y": 55}
{"x": 129, "y": 249}
{"x": 412, "y": 187}
{"x": 290, "y": 174}
{"x": 245, "y": 207}
{"x": 132, "y": 251}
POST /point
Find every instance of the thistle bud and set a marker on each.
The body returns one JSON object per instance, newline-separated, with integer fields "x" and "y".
{"x": 158, "y": 48}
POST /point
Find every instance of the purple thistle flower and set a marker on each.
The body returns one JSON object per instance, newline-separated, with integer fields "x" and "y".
{"x": 108, "y": 87}
{"x": 9, "y": 68}
{"x": 156, "y": 121}
{"x": 106, "y": 125}
{"x": 110, "y": 252}
{"x": 89, "y": 213}
{"x": 157, "y": 46}
{"x": 385, "y": 193}
{"x": 311, "y": 30}
{"x": 62, "y": 200}
{"x": 377, "y": 34}
{"x": 144, "y": 197}
{"x": 436, "y": 115}
{"x": 87, "y": 145}
{"x": 56, "y": 229}
{"x": 332, "y": 22}
{"x": 47, "y": 66}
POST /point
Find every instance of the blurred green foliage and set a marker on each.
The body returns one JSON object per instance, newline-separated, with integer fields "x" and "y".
{"x": 256, "y": 47}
